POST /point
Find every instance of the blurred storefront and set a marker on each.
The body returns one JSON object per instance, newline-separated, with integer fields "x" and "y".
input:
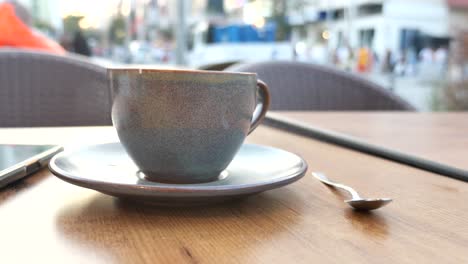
{"x": 395, "y": 26}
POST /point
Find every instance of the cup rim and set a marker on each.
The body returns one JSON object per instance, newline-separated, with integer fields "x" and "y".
{"x": 142, "y": 70}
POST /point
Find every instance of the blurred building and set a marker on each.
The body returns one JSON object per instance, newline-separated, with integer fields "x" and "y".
{"x": 381, "y": 25}
{"x": 45, "y": 12}
{"x": 149, "y": 16}
{"x": 458, "y": 15}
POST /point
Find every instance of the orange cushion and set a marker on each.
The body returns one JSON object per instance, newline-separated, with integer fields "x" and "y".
{"x": 14, "y": 33}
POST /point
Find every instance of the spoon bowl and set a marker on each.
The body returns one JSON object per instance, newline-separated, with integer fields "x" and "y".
{"x": 368, "y": 204}
{"x": 356, "y": 201}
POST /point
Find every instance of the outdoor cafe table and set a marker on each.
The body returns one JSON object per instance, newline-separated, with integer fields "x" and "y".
{"x": 439, "y": 137}
{"x": 46, "y": 220}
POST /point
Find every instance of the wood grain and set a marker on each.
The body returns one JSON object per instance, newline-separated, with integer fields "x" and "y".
{"x": 441, "y": 137}
{"x": 46, "y": 220}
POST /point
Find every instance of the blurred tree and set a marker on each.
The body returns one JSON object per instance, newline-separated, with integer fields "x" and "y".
{"x": 71, "y": 24}
{"x": 118, "y": 30}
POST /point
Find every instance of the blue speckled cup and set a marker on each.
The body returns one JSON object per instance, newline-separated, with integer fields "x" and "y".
{"x": 184, "y": 126}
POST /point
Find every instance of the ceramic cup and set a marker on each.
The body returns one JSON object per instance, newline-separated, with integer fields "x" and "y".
{"x": 184, "y": 126}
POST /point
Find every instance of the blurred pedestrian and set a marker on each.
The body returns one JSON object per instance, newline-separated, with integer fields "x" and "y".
{"x": 426, "y": 55}
{"x": 412, "y": 62}
{"x": 388, "y": 62}
{"x": 440, "y": 55}
{"x": 80, "y": 44}
{"x": 364, "y": 60}
{"x": 401, "y": 64}
{"x": 426, "y": 61}
{"x": 66, "y": 42}
{"x": 441, "y": 59}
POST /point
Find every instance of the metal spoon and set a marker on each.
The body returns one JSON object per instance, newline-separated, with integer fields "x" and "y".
{"x": 356, "y": 201}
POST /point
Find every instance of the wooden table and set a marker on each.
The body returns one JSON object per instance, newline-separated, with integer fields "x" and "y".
{"x": 46, "y": 220}
{"x": 440, "y": 137}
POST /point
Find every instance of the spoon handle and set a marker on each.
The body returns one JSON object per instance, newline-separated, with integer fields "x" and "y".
{"x": 321, "y": 177}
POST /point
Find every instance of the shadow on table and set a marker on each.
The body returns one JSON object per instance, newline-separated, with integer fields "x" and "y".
{"x": 121, "y": 228}
{"x": 371, "y": 223}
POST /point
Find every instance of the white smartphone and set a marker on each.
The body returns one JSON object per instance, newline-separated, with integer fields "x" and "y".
{"x": 19, "y": 161}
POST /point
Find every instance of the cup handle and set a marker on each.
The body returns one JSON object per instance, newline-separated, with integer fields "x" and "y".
{"x": 263, "y": 102}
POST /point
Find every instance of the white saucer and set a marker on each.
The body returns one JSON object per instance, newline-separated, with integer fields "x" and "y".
{"x": 108, "y": 169}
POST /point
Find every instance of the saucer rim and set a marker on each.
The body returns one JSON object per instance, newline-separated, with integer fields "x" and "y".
{"x": 168, "y": 189}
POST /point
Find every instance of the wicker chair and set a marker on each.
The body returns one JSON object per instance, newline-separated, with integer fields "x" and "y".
{"x": 41, "y": 89}
{"x": 303, "y": 86}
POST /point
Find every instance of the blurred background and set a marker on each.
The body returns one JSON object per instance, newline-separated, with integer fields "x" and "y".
{"x": 415, "y": 48}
